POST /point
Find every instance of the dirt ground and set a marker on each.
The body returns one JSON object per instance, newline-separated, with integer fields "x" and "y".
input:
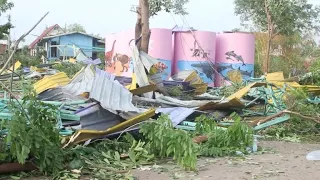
{"x": 279, "y": 161}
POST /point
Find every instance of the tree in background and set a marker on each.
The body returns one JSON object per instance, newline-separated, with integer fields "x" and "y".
{"x": 149, "y": 8}
{"x": 278, "y": 17}
{"x": 75, "y": 28}
{"x": 4, "y": 7}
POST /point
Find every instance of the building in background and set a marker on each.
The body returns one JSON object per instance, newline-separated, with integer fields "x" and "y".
{"x": 3, "y": 46}
{"x": 37, "y": 45}
{"x": 66, "y": 45}
{"x": 55, "y": 43}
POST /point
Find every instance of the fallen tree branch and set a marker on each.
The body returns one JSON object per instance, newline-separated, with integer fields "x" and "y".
{"x": 317, "y": 120}
{"x": 261, "y": 121}
{"x": 200, "y": 139}
{"x": 269, "y": 118}
{"x": 17, "y": 44}
{"x": 103, "y": 167}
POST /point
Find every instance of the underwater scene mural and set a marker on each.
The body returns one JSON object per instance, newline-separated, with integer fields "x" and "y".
{"x": 203, "y": 68}
{"x": 234, "y": 72}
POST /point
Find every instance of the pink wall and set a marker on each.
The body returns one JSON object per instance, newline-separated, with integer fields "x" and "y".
{"x": 160, "y": 46}
{"x": 184, "y": 42}
{"x": 186, "y": 46}
{"x": 234, "y": 55}
{"x": 123, "y": 49}
{"x": 178, "y": 51}
{"x": 242, "y": 43}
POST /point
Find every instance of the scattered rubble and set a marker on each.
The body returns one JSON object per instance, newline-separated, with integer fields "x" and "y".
{"x": 181, "y": 118}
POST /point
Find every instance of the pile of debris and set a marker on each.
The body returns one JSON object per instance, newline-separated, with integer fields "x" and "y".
{"x": 95, "y": 104}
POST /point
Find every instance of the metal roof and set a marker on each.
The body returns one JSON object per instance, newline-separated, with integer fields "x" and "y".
{"x": 69, "y": 33}
{"x": 177, "y": 114}
{"x": 59, "y": 79}
{"x": 82, "y": 82}
{"x": 111, "y": 94}
{"x": 43, "y": 34}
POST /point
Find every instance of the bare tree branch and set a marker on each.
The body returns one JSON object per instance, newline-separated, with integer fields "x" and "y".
{"x": 18, "y": 41}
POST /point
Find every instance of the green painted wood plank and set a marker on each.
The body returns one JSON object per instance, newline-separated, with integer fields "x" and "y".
{"x": 272, "y": 122}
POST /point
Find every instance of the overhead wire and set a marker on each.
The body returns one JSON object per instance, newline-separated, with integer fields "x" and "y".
{"x": 210, "y": 61}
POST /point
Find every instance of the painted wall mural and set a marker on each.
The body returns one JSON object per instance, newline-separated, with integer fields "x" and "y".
{"x": 160, "y": 47}
{"x": 189, "y": 55}
{"x": 232, "y": 54}
{"x": 234, "y": 57}
{"x": 118, "y": 56}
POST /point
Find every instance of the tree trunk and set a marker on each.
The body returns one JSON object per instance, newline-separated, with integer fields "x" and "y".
{"x": 266, "y": 61}
{"x": 145, "y": 26}
{"x": 138, "y": 28}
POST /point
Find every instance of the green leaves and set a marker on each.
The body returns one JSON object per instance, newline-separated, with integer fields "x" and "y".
{"x": 223, "y": 142}
{"x": 75, "y": 28}
{"x": 33, "y": 135}
{"x": 287, "y": 16}
{"x": 4, "y": 7}
{"x": 69, "y": 68}
{"x": 165, "y": 141}
{"x": 175, "y": 6}
{"x": 204, "y": 124}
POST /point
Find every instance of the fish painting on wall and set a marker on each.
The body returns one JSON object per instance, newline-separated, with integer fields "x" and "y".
{"x": 235, "y": 72}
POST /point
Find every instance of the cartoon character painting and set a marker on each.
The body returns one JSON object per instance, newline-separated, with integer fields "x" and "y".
{"x": 124, "y": 61}
{"x": 109, "y": 55}
{"x": 161, "y": 67}
{"x": 116, "y": 62}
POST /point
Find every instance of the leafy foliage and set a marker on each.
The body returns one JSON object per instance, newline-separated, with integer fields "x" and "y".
{"x": 278, "y": 17}
{"x": 33, "y": 134}
{"x": 4, "y": 7}
{"x": 175, "y": 6}
{"x": 69, "y": 68}
{"x": 26, "y": 59}
{"x": 222, "y": 142}
{"x": 313, "y": 77}
{"x": 75, "y": 28}
{"x": 205, "y": 124}
{"x": 296, "y": 100}
{"x": 109, "y": 159}
{"x": 165, "y": 141}
{"x": 101, "y": 56}
{"x": 288, "y": 16}
{"x": 229, "y": 90}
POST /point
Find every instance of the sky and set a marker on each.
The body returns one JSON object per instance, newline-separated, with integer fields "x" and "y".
{"x": 109, "y": 16}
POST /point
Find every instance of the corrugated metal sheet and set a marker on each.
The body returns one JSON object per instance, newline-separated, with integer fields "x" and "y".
{"x": 181, "y": 29}
{"x": 58, "y": 94}
{"x": 82, "y": 82}
{"x": 59, "y": 79}
{"x": 97, "y": 118}
{"x": 181, "y": 103}
{"x": 111, "y": 94}
{"x": 139, "y": 70}
{"x": 176, "y": 115}
{"x": 105, "y": 74}
{"x": 84, "y": 135}
{"x": 147, "y": 60}
{"x": 90, "y": 61}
